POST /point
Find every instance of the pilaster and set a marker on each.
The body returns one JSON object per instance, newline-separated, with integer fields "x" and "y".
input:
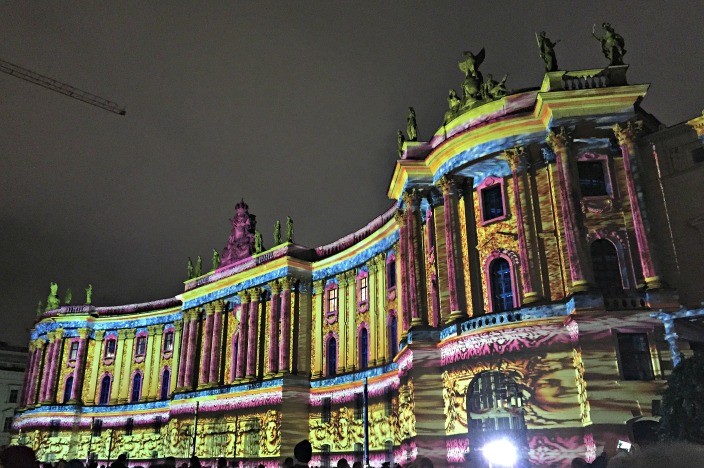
{"x": 206, "y": 346}
{"x": 414, "y": 250}
{"x": 127, "y": 360}
{"x": 516, "y": 158}
{"x": 458, "y": 307}
{"x": 89, "y": 394}
{"x": 176, "y": 356}
{"x": 216, "y": 342}
{"x": 342, "y": 327}
{"x": 117, "y": 370}
{"x": 252, "y": 339}
{"x": 318, "y": 313}
{"x": 243, "y": 334}
{"x": 402, "y": 284}
{"x": 77, "y": 390}
{"x": 285, "y": 346}
{"x": 558, "y": 141}
{"x": 151, "y": 374}
{"x": 372, "y": 267}
{"x": 183, "y": 351}
{"x": 626, "y": 136}
{"x": 274, "y": 336}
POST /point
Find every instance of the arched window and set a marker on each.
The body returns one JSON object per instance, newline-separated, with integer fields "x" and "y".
{"x": 501, "y": 285}
{"x": 331, "y": 357}
{"x": 363, "y": 349}
{"x": 607, "y": 273}
{"x": 495, "y": 409}
{"x": 105, "y": 390}
{"x": 393, "y": 336}
{"x": 165, "y": 377}
{"x": 67, "y": 388}
{"x": 136, "y": 387}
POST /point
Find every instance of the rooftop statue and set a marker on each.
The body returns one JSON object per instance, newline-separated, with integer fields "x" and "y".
{"x": 473, "y": 79}
{"x": 289, "y": 229}
{"x": 68, "y": 296}
{"x": 547, "y": 51}
{"x": 216, "y": 260}
{"x": 277, "y": 233}
{"x": 240, "y": 244}
{"x": 40, "y": 308}
{"x": 190, "y": 269}
{"x": 412, "y": 125}
{"x": 52, "y": 302}
{"x": 612, "y": 44}
{"x": 492, "y": 89}
{"x": 258, "y": 243}
{"x": 199, "y": 266}
{"x": 400, "y": 140}
{"x": 89, "y": 294}
{"x": 454, "y": 103}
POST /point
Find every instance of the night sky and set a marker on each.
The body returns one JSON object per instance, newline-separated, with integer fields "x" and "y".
{"x": 292, "y": 105}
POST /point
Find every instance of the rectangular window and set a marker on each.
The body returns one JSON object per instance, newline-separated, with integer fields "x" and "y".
{"x": 110, "y": 346}
{"x": 97, "y": 427}
{"x": 140, "y": 348}
{"x": 492, "y": 202}
{"x": 358, "y": 406}
{"x": 698, "y": 155}
{"x": 327, "y": 409}
{"x": 73, "y": 352}
{"x": 129, "y": 426}
{"x": 8, "y": 425}
{"x": 54, "y": 428}
{"x": 635, "y": 356}
{"x": 14, "y": 394}
{"x": 592, "y": 182}
{"x": 168, "y": 341}
{"x": 332, "y": 300}
{"x": 364, "y": 289}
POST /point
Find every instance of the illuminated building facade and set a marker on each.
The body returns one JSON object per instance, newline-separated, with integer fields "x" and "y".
{"x": 510, "y": 291}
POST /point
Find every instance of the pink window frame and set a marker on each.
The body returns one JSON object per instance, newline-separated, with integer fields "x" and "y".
{"x": 512, "y": 271}
{"x": 109, "y": 359}
{"x": 362, "y": 305}
{"x": 161, "y": 382}
{"x": 331, "y": 334}
{"x": 168, "y": 352}
{"x": 141, "y": 385}
{"x": 487, "y": 183}
{"x": 362, "y": 326}
{"x": 608, "y": 175}
{"x": 390, "y": 290}
{"x": 78, "y": 348}
{"x": 140, "y": 357}
{"x": 331, "y": 315}
{"x": 392, "y": 315}
{"x": 100, "y": 388}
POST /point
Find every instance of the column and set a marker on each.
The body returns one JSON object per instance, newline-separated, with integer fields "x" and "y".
{"x": 183, "y": 354}
{"x": 372, "y": 310}
{"x": 216, "y": 342}
{"x": 418, "y": 298}
{"x": 150, "y": 373}
{"x": 206, "y": 345}
{"x": 626, "y": 136}
{"x": 127, "y": 360}
{"x": 458, "y": 308}
{"x": 188, "y": 376}
{"x": 175, "y": 356}
{"x": 341, "y": 323}
{"x": 117, "y": 369}
{"x": 156, "y": 361}
{"x": 558, "y": 142}
{"x": 285, "y": 345}
{"x": 243, "y": 332}
{"x": 38, "y": 370}
{"x": 351, "y": 297}
{"x": 318, "y": 313}
{"x": 274, "y": 332}
{"x": 90, "y": 394}
{"x": 402, "y": 285}
{"x": 46, "y": 373}
{"x": 516, "y": 159}
{"x": 252, "y": 335}
{"x": 54, "y": 363}
{"x": 78, "y": 376}
{"x": 380, "y": 294}
{"x": 432, "y": 274}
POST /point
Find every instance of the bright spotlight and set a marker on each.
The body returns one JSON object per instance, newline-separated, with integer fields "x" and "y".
{"x": 500, "y": 452}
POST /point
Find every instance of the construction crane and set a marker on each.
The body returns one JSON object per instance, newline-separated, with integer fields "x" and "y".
{"x": 59, "y": 87}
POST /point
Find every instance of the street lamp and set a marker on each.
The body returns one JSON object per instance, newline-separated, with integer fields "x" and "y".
{"x": 500, "y": 452}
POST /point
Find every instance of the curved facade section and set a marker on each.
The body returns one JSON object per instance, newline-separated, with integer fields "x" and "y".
{"x": 507, "y": 293}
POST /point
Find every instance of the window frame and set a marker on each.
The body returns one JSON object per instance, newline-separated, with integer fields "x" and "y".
{"x": 73, "y": 350}
{"x": 111, "y": 341}
{"x": 630, "y": 354}
{"x": 362, "y": 329}
{"x": 168, "y": 340}
{"x": 609, "y": 182}
{"x": 390, "y": 272}
{"x": 363, "y": 291}
{"x": 487, "y": 184}
{"x": 328, "y": 373}
{"x": 329, "y": 297}
{"x": 107, "y": 391}
{"x": 138, "y": 390}
{"x": 489, "y": 285}
{"x": 13, "y": 396}
{"x": 140, "y": 346}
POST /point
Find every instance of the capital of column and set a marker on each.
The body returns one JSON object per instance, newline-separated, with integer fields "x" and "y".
{"x": 350, "y": 277}
{"x": 627, "y": 132}
{"x": 255, "y": 294}
{"x": 558, "y": 139}
{"x": 51, "y": 336}
{"x": 400, "y": 217}
{"x": 178, "y": 326}
{"x": 275, "y": 287}
{"x": 98, "y": 335}
{"x": 219, "y": 306}
{"x": 372, "y": 264}
{"x": 83, "y": 333}
{"x": 516, "y": 158}
{"x": 286, "y": 283}
{"x": 153, "y": 329}
{"x": 447, "y": 185}
{"x": 318, "y": 286}
{"x": 59, "y": 333}
{"x": 130, "y": 333}
{"x": 209, "y": 309}
{"x": 412, "y": 199}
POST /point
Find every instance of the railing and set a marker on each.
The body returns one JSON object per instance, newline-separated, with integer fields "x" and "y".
{"x": 585, "y": 82}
